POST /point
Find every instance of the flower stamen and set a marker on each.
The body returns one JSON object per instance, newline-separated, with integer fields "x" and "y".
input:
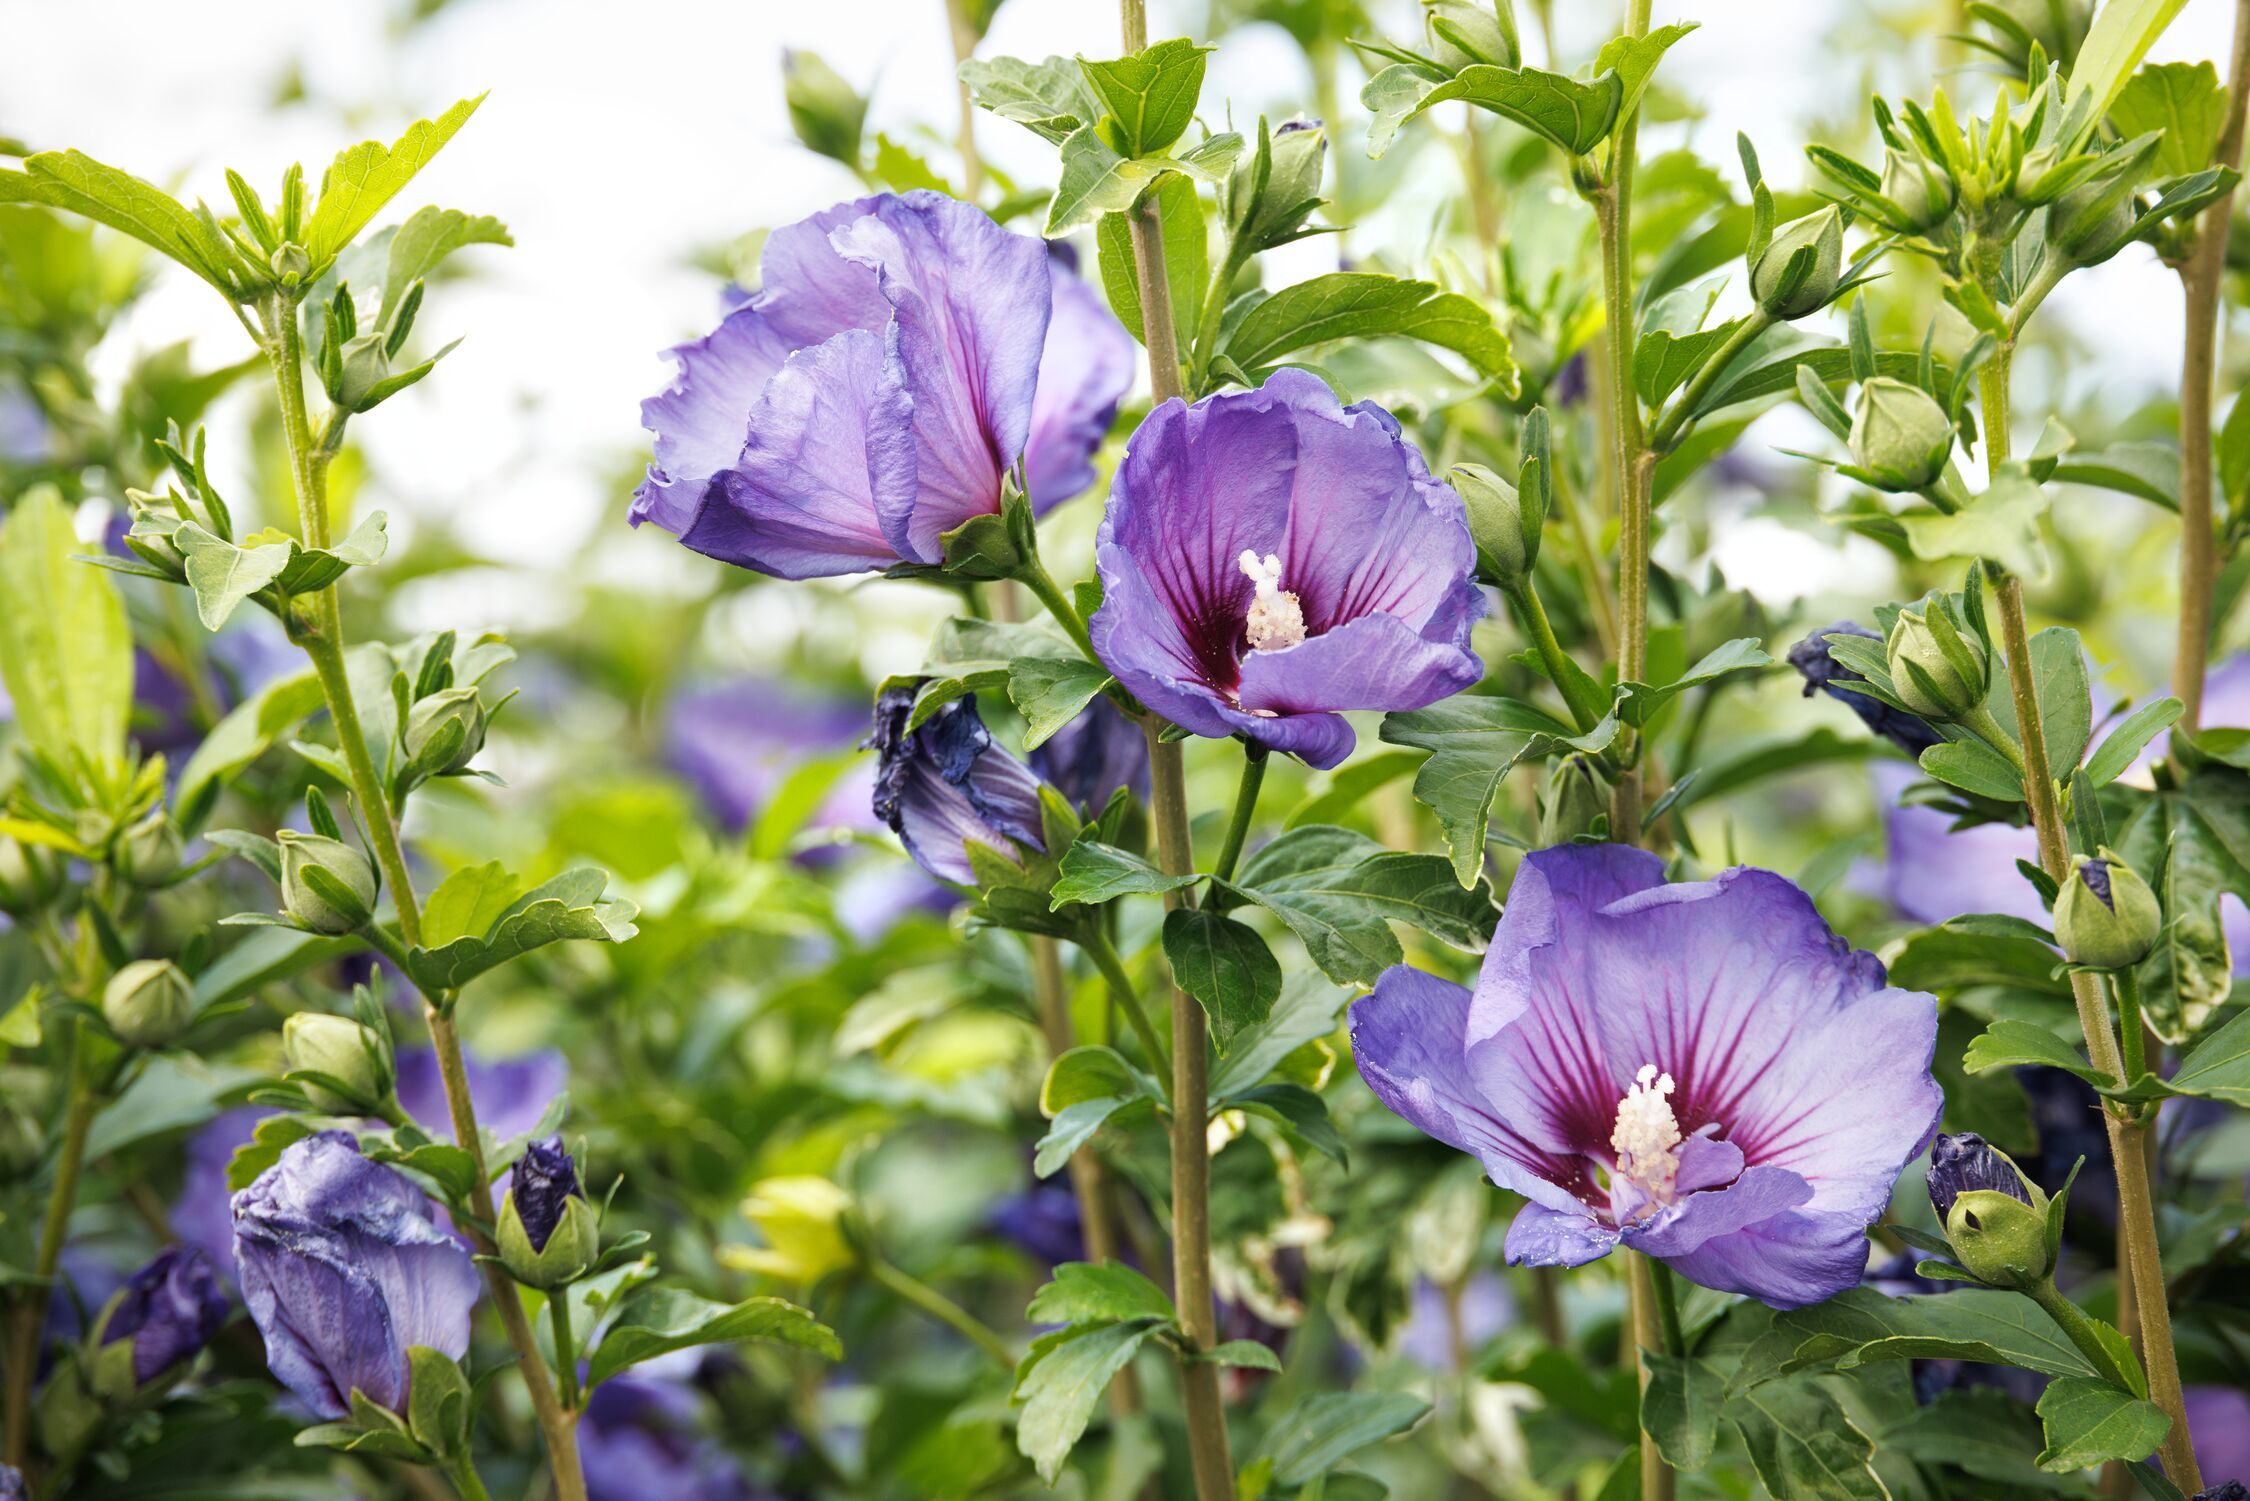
{"x": 1276, "y": 619}
{"x": 1647, "y": 1136}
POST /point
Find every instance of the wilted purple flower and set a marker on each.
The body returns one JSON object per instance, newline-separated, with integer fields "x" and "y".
{"x": 1271, "y": 558}
{"x": 1822, "y": 674}
{"x": 737, "y": 741}
{"x": 171, "y": 1309}
{"x": 2230, "y": 1490}
{"x": 1966, "y": 1163}
{"x": 946, "y": 785}
{"x": 345, "y": 1269}
{"x": 1089, "y": 758}
{"x": 1084, "y": 371}
{"x": 546, "y": 1180}
{"x": 866, "y": 400}
{"x": 640, "y": 1437}
{"x": 203, "y": 1215}
{"x": 511, "y": 1094}
{"x": 1655, "y": 1066}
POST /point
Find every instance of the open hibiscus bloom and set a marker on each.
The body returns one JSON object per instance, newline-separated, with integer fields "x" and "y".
{"x": 1271, "y": 558}
{"x": 873, "y": 393}
{"x": 1702, "y": 1072}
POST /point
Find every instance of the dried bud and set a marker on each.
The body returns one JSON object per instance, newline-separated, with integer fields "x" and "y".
{"x": 426, "y": 729}
{"x": 2105, "y": 915}
{"x": 1995, "y": 1218}
{"x": 1965, "y": 1163}
{"x": 355, "y": 1066}
{"x": 1799, "y": 272}
{"x": 149, "y": 1003}
{"x": 1901, "y": 437}
{"x": 1506, "y": 530}
{"x": 1940, "y": 672}
{"x": 326, "y": 885}
{"x": 150, "y": 852}
{"x": 1922, "y": 189}
{"x": 547, "y": 1233}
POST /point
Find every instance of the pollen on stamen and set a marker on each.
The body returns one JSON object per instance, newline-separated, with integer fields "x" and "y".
{"x": 1276, "y": 619}
{"x": 1647, "y": 1137}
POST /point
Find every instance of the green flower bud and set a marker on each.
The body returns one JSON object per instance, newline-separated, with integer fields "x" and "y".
{"x": 2092, "y": 222}
{"x": 1574, "y": 802}
{"x": 148, "y": 1003}
{"x": 290, "y": 263}
{"x": 1506, "y": 529}
{"x": 150, "y": 852}
{"x": 426, "y": 722}
{"x": 326, "y": 885}
{"x": 828, "y": 115}
{"x": 365, "y": 364}
{"x": 1923, "y": 191}
{"x": 1296, "y": 153}
{"x": 2105, "y": 915}
{"x": 355, "y": 1064}
{"x": 30, "y": 877}
{"x": 570, "y": 1249}
{"x": 1474, "y": 31}
{"x": 1940, "y": 672}
{"x": 2000, "y": 1239}
{"x": 1786, "y": 295}
{"x": 1900, "y": 436}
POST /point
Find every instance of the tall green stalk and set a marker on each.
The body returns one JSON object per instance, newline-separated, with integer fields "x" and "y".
{"x": 30, "y": 1315}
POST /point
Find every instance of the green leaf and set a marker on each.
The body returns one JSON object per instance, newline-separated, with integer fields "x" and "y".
{"x": 1062, "y": 1380}
{"x": 1946, "y": 960}
{"x": 1091, "y": 1072}
{"x": 1633, "y": 59}
{"x": 1394, "y": 96}
{"x": 2148, "y": 471}
{"x": 2066, "y": 701}
{"x": 971, "y": 656}
{"x": 2010, "y": 1043}
{"x": 75, "y": 181}
{"x": 2090, "y": 1422}
{"x": 1307, "y": 1012}
{"x": 1050, "y": 691}
{"x": 2218, "y": 1067}
{"x": 1574, "y": 116}
{"x": 1339, "y": 891}
{"x": 1247, "y": 1354}
{"x": 428, "y": 236}
{"x": 247, "y": 732}
{"x": 1094, "y": 872}
{"x": 1474, "y": 742}
{"x": 2193, "y": 844}
{"x": 1299, "y": 1112}
{"x": 2183, "y": 102}
{"x": 2002, "y": 524}
{"x": 2117, "y": 750}
{"x": 171, "y": 1093}
{"x": 1862, "y": 1327}
{"x": 1072, "y": 1127}
{"x": 1187, "y": 267}
{"x": 1150, "y": 95}
{"x": 1097, "y": 181}
{"x": 365, "y": 177}
{"x": 1108, "y": 1292}
{"x": 224, "y": 575}
{"x": 1973, "y": 766}
{"x": 1049, "y": 97}
{"x": 1803, "y": 1444}
{"x": 569, "y": 906}
{"x": 1638, "y": 703}
{"x": 1680, "y": 1408}
{"x": 438, "y": 1400}
{"x": 1367, "y": 304}
{"x": 1322, "y": 1430}
{"x": 2120, "y": 37}
{"x": 1225, "y": 965}
{"x": 66, "y": 657}
{"x": 658, "y": 1320}
{"x": 468, "y": 902}
{"x": 19, "y": 1024}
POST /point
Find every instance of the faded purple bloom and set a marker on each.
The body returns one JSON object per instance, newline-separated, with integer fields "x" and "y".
{"x": 1043, "y": 1222}
{"x": 1934, "y": 873}
{"x": 2231, "y": 1490}
{"x": 1824, "y": 674}
{"x": 1271, "y": 558}
{"x": 345, "y": 1269}
{"x": 946, "y": 785}
{"x": 511, "y": 1094}
{"x": 738, "y": 741}
{"x": 866, "y": 400}
{"x": 1440, "y": 1331}
{"x": 203, "y": 1216}
{"x": 171, "y": 1309}
{"x": 1655, "y": 1066}
{"x": 2218, "y": 1419}
{"x": 1967, "y": 1164}
{"x": 1091, "y": 757}
{"x": 641, "y": 1437}
{"x": 546, "y": 1180}
{"x": 1084, "y": 371}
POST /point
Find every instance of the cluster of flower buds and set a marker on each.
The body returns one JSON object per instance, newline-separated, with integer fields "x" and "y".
{"x": 355, "y": 367}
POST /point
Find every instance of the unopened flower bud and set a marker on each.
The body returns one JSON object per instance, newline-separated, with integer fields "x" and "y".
{"x": 1505, "y": 529}
{"x": 326, "y": 885}
{"x": 802, "y": 1221}
{"x": 1922, "y": 190}
{"x": 2091, "y": 222}
{"x": 1940, "y": 672}
{"x": 426, "y": 723}
{"x": 148, "y": 1003}
{"x": 2230, "y": 1490}
{"x": 30, "y": 877}
{"x": 169, "y": 1310}
{"x": 2105, "y": 915}
{"x": 1296, "y": 151}
{"x": 1900, "y": 435}
{"x": 150, "y": 852}
{"x": 354, "y": 1063}
{"x": 548, "y": 1235}
{"x": 1786, "y": 296}
{"x": 365, "y": 364}
{"x": 1965, "y": 1163}
{"x": 290, "y": 263}
{"x": 1995, "y": 1218}
{"x": 1574, "y": 802}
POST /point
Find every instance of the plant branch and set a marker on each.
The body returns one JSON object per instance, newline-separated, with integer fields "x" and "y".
{"x": 937, "y": 1305}
{"x": 30, "y": 1314}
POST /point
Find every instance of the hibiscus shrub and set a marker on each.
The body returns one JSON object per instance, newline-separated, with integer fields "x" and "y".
{"x": 1289, "y": 993}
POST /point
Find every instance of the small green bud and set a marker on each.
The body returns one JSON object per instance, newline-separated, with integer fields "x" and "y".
{"x": 30, "y": 877}
{"x": 365, "y": 364}
{"x": 290, "y": 263}
{"x": 150, "y": 852}
{"x": 1923, "y": 191}
{"x": 1940, "y": 672}
{"x": 1574, "y": 802}
{"x": 1474, "y": 31}
{"x": 340, "y": 898}
{"x": 2092, "y": 222}
{"x": 1900, "y": 435}
{"x": 355, "y": 1063}
{"x": 1296, "y": 151}
{"x": 426, "y": 721}
{"x": 1506, "y": 529}
{"x": 828, "y": 115}
{"x": 148, "y": 1003}
{"x": 1786, "y": 296}
{"x": 2000, "y": 1239}
{"x": 2106, "y": 916}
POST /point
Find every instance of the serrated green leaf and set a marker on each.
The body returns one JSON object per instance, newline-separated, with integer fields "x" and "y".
{"x": 1094, "y": 872}
{"x": 567, "y": 907}
{"x": 2192, "y": 843}
{"x": 1803, "y": 1444}
{"x": 1097, "y": 181}
{"x": 468, "y": 902}
{"x": 427, "y": 237}
{"x": 1150, "y": 95}
{"x": 1049, "y": 692}
{"x": 1339, "y": 891}
{"x": 1322, "y": 1430}
{"x": 1474, "y": 742}
{"x": 655, "y": 1321}
{"x": 75, "y": 181}
{"x": 223, "y": 575}
{"x": 1048, "y": 97}
{"x": 1680, "y": 1408}
{"x": 1062, "y": 1381}
{"x": 365, "y": 177}
{"x": 1225, "y": 965}
{"x": 1108, "y": 1292}
{"x": 2089, "y": 1422}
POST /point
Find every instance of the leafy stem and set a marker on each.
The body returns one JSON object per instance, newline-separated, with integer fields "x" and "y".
{"x": 1041, "y": 583}
{"x": 566, "y": 1348}
{"x": 1254, "y": 757}
{"x": 1097, "y": 947}
{"x": 30, "y": 1313}
{"x": 2073, "y": 1322}
{"x": 1568, "y": 678}
{"x": 1672, "y": 426}
{"x": 462, "y": 1471}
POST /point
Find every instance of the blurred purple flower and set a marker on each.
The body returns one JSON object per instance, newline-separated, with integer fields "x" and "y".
{"x": 1084, "y": 371}
{"x": 1429, "y": 1339}
{"x": 867, "y": 399}
{"x": 1654, "y": 1066}
{"x": 1933, "y": 873}
{"x": 1042, "y": 1222}
{"x": 2219, "y": 1421}
{"x": 238, "y": 662}
{"x": 345, "y": 1269}
{"x": 946, "y": 785}
{"x": 511, "y": 1094}
{"x": 12, "y": 1486}
{"x": 203, "y": 1214}
{"x": 1091, "y": 757}
{"x": 640, "y": 1437}
{"x": 738, "y": 741}
{"x": 1271, "y": 558}
{"x": 1824, "y": 674}
{"x": 172, "y": 1308}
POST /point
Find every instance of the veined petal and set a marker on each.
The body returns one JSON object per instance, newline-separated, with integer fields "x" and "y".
{"x": 1540, "y": 1236}
{"x": 1085, "y": 369}
{"x": 809, "y": 290}
{"x": 1790, "y": 1260}
{"x": 702, "y": 418}
{"x": 1373, "y": 662}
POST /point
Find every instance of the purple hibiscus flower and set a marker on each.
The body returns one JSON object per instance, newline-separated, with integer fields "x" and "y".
{"x": 738, "y": 741}
{"x": 511, "y": 1094}
{"x": 641, "y": 1436}
{"x": 345, "y": 1269}
{"x": 872, "y": 394}
{"x": 1654, "y": 1066}
{"x": 945, "y": 786}
{"x": 171, "y": 1309}
{"x": 1271, "y": 558}
{"x": 2219, "y": 1419}
{"x": 1824, "y": 674}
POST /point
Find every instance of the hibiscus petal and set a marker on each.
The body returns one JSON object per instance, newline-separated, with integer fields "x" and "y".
{"x": 1085, "y": 369}
{"x": 1540, "y": 1236}
{"x": 810, "y": 291}
{"x": 701, "y": 419}
{"x": 1374, "y": 662}
{"x": 1758, "y": 1195}
{"x": 1790, "y": 1260}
